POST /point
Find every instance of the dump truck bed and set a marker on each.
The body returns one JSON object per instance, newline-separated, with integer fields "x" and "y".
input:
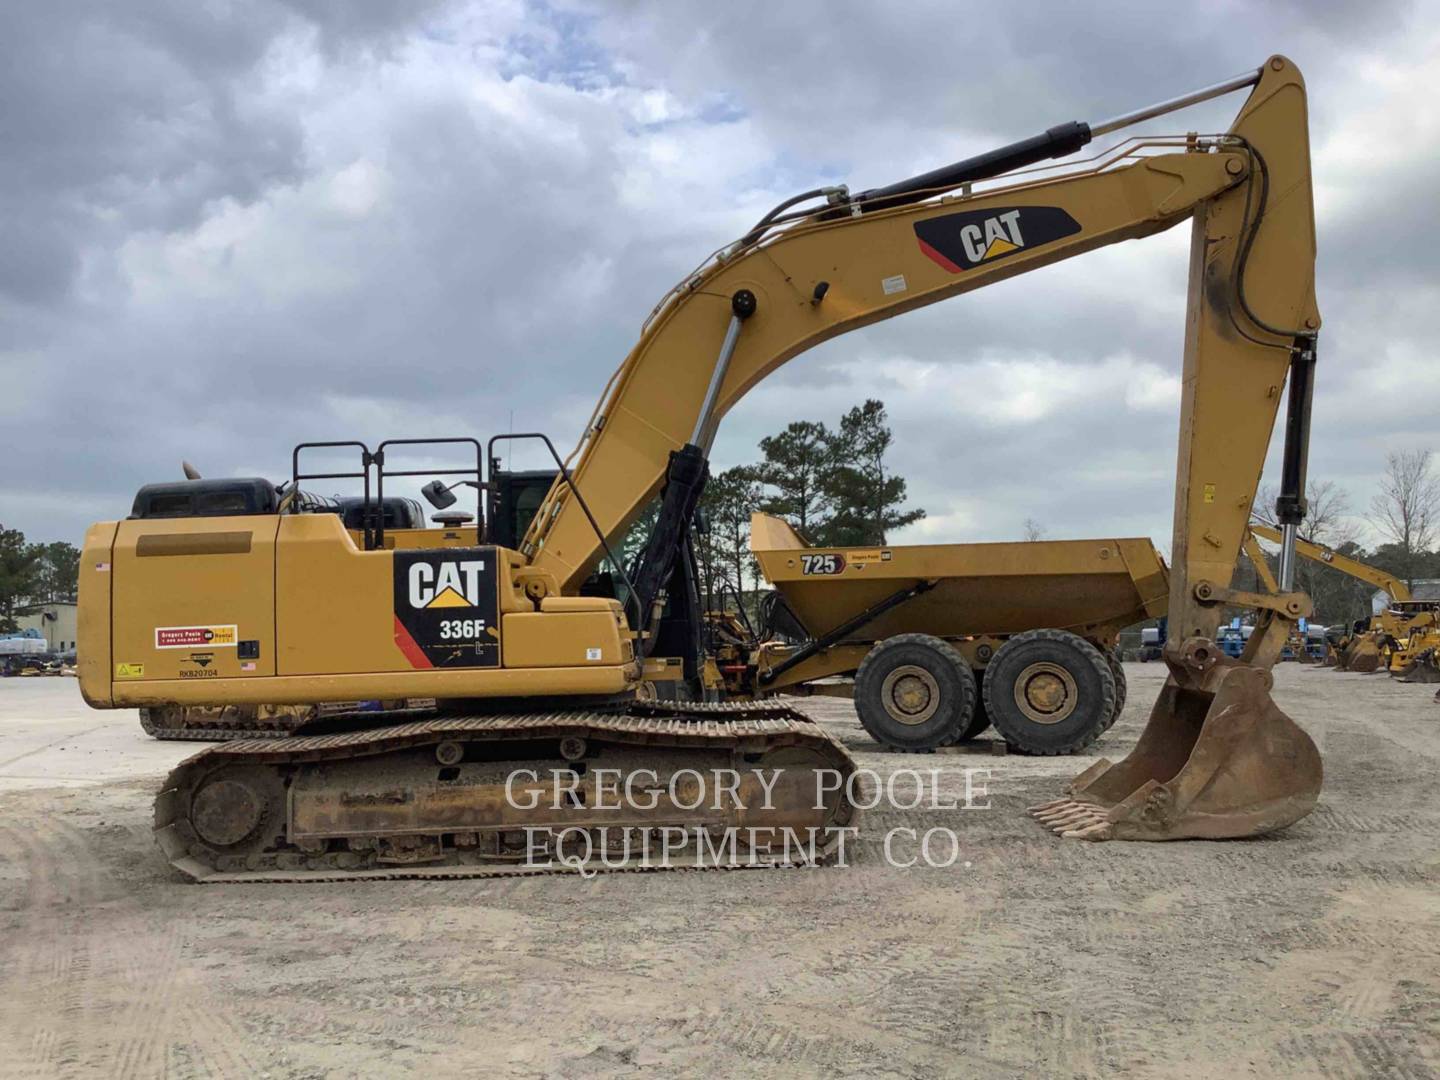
{"x": 1091, "y": 587}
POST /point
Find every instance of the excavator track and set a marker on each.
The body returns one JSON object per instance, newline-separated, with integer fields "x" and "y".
{"x": 437, "y": 797}
{"x": 218, "y": 723}
{"x": 164, "y": 725}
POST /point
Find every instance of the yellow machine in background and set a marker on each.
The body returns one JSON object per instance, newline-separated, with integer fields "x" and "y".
{"x": 1385, "y": 635}
{"x": 536, "y": 646}
{"x": 1416, "y": 657}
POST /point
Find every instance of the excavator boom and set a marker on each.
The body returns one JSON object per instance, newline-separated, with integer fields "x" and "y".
{"x": 840, "y": 270}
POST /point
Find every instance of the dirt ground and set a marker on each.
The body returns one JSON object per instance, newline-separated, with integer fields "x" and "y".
{"x": 1312, "y": 953}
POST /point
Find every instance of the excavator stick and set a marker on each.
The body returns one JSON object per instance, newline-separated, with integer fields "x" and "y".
{"x": 1217, "y": 760}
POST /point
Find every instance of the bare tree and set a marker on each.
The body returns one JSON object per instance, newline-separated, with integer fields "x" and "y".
{"x": 1327, "y": 521}
{"x": 1407, "y": 505}
{"x": 1033, "y": 530}
{"x": 1327, "y": 513}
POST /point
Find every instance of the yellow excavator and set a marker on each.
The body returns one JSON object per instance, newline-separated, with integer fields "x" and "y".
{"x": 1371, "y": 645}
{"x": 539, "y": 646}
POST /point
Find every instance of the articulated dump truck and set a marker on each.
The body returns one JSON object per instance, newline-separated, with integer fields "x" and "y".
{"x": 937, "y": 642}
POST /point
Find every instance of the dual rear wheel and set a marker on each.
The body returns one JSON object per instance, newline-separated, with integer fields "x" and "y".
{"x": 1045, "y": 691}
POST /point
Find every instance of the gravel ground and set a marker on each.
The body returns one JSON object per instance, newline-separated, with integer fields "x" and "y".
{"x": 1312, "y": 953}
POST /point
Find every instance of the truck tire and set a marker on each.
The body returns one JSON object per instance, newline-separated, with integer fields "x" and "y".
{"x": 914, "y": 692}
{"x": 1049, "y": 692}
{"x": 979, "y": 720}
{"x": 1122, "y": 686}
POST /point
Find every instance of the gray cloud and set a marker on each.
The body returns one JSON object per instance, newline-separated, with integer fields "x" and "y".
{"x": 229, "y": 229}
{"x": 122, "y": 118}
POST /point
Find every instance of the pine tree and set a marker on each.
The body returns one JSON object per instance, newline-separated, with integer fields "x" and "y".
{"x": 59, "y": 571}
{"x": 796, "y": 465}
{"x": 866, "y": 499}
{"x": 726, "y": 562}
{"x": 20, "y": 566}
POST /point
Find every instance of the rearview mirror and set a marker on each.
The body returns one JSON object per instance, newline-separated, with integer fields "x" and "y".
{"x": 438, "y": 495}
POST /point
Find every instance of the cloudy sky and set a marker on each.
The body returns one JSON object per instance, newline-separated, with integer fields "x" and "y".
{"x": 228, "y": 227}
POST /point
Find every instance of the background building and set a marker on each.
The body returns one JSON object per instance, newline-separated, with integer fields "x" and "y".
{"x": 1423, "y": 589}
{"x": 56, "y": 621}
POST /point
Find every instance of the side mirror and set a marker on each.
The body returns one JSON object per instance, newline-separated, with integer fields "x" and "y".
{"x": 438, "y": 495}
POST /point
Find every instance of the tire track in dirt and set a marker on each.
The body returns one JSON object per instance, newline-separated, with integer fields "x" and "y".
{"x": 44, "y": 985}
{"x": 1394, "y": 1055}
{"x": 89, "y": 985}
{"x": 219, "y": 1052}
{"x": 1333, "y": 820}
{"x": 152, "y": 996}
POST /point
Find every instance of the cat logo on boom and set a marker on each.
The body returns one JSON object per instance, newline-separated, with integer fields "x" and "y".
{"x": 963, "y": 241}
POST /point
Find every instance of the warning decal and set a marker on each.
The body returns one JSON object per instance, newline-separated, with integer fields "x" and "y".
{"x": 195, "y": 637}
{"x": 447, "y": 607}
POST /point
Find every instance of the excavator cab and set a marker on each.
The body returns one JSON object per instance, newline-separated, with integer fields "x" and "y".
{"x": 513, "y": 499}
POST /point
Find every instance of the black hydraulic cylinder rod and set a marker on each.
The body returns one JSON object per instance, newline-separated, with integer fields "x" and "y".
{"x": 684, "y": 484}
{"x": 1290, "y": 506}
{"x": 1056, "y": 143}
{"x": 845, "y": 629}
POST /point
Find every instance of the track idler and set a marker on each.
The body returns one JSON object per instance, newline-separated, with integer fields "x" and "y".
{"x": 1217, "y": 760}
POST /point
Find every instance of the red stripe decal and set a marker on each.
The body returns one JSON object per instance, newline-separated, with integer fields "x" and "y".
{"x": 412, "y": 651}
{"x": 941, "y": 259}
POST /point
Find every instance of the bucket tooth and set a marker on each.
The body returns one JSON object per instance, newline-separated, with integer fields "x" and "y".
{"x": 1217, "y": 760}
{"x": 1074, "y": 819}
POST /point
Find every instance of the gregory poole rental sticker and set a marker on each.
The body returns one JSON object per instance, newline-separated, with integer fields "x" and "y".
{"x": 193, "y": 637}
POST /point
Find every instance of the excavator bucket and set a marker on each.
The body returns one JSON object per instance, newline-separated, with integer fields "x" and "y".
{"x": 1362, "y": 656}
{"x": 1424, "y": 669}
{"x": 1217, "y": 760}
